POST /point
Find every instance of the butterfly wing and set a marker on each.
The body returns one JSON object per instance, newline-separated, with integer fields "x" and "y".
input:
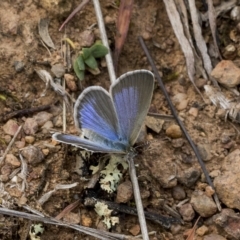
{"x": 132, "y": 94}
{"x": 93, "y": 146}
{"x": 94, "y": 112}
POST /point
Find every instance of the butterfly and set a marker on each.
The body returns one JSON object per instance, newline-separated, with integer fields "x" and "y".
{"x": 111, "y": 121}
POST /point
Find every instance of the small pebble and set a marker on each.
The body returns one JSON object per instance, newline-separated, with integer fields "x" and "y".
{"x": 19, "y": 66}
{"x": 135, "y": 230}
{"x": 175, "y": 228}
{"x": 109, "y": 20}
{"x": 14, "y": 192}
{"x": 4, "y": 178}
{"x": 189, "y": 176}
{"x": 214, "y": 173}
{"x": 154, "y": 123}
{"x": 45, "y": 151}
{"x": 71, "y": 217}
{"x": 187, "y": 212}
{"x": 12, "y": 160}
{"x": 29, "y": 139}
{"x": 193, "y": 111}
{"x": 57, "y": 121}
{"x": 178, "y": 193}
{"x": 58, "y": 70}
{"x": 42, "y": 117}
{"x": 174, "y": 131}
{"x": 70, "y": 82}
{"x": 86, "y": 221}
{"x": 87, "y": 38}
{"x": 204, "y": 151}
{"x": 177, "y": 143}
{"x": 20, "y": 144}
{"x": 202, "y": 230}
{"x": 30, "y": 126}
{"x": 203, "y": 204}
{"x": 10, "y": 127}
{"x": 213, "y": 236}
{"x": 6, "y": 169}
{"x": 33, "y": 155}
{"x": 209, "y": 191}
{"x": 47, "y": 125}
{"x": 124, "y": 192}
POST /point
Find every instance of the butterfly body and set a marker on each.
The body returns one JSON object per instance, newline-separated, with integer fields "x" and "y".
{"x": 110, "y": 121}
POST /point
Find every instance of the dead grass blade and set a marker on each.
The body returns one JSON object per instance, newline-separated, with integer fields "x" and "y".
{"x": 177, "y": 26}
{"x": 191, "y": 232}
{"x": 124, "y": 15}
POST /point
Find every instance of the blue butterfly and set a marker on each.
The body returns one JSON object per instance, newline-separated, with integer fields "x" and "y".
{"x": 111, "y": 122}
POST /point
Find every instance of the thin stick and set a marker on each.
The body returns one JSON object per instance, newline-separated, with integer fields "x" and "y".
{"x": 101, "y": 27}
{"x": 90, "y": 231}
{"x": 79, "y": 7}
{"x": 174, "y": 113}
{"x": 10, "y": 144}
{"x": 137, "y": 197}
{"x": 64, "y": 109}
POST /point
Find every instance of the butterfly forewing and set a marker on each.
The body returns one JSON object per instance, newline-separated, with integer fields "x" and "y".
{"x": 132, "y": 94}
{"x": 93, "y": 146}
{"x": 94, "y": 111}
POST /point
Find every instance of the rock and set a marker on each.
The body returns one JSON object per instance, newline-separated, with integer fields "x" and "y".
{"x": 175, "y": 228}
{"x": 58, "y": 70}
{"x": 203, "y": 204}
{"x": 20, "y": 144}
{"x": 230, "y": 52}
{"x": 174, "y": 131}
{"x": 214, "y": 173}
{"x": 12, "y": 160}
{"x": 202, "y": 230}
{"x": 14, "y": 192}
{"x": 86, "y": 221}
{"x": 86, "y": 38}
{"x": 189, "y": 176}
{"x": 10, "y": 127}
{"x": 29, "y": 139}
{"x": 193, "y": 111}
{"x": 135, "y": 230}
{"x": 33, "y": 155}
{"x": 56, "y": 7}
{"x": 124, "y": 192}
{"x": 70, "y": 82}
{"x": 109, "y": 20}
{"x": 226, "y": 73}
{"x": 227, "y": 184}
{"x": 19, "y": 66}
{"x": 57, "y": 121}
{"x": 209, "y": 191}
{"x": 30, "y": 126}
{"x": 229, "y": 221}
{"x": 154, "y": 123}
{"x": 42, "y": 117}
{"x": 200, "y": 82}
{"x": 6, "y": 170}
{"x": 177, "y": 143}
{"x": 178, "y": 193}
{"x": 204, "y": 151}
{"x": 180, "y": 101}
{"x": 47, "y": 125}
{"x": 187, "y": 212}
{"x": 213, "y": 236}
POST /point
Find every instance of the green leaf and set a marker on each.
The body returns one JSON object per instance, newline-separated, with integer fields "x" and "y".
{"x": 80, "y": 62}
{"x": 80, "y": 73}
{"x": 86, "y": 52}
{"x": 91, "y": 62}
{"x": 98, "y": 50}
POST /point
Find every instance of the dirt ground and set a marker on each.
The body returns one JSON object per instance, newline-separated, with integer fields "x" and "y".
{"x": 22, "y": 52}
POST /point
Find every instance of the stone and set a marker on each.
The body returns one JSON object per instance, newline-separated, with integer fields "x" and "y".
{"x": 47, "y": 125}
{"x": 201, "y": 231}
{"x": 42, "y": 117}
{"x": 86, "y": 221}
{"x": 226, "y": 73}
{"x": 154, "y": 123}
{"x": 204, "y": 151}
{"x": 187, "y": 212}
{"x": 29, "y": 139}
{"x": 10, "y": 127}
{"x": 174, "y": 131}
{"x": 12, "y": 160}
{"x": 58, "y": 70}
{"x": 178, "y": 193}
{"x": 213, "y": 236}
{"x": 124, "y": 192}
{"x": 71, "y": 217}
{"x": 193, "y": 111}
{"x": 87, "y": 38}
{"x": 189, "y": 176}
{"x": 229, "y": 221}
{"x": 30, "y": 126}
{"x": 33, "y": 155}
{"x": 70, "y": 82}
{"x": 203, "y": 204}
{"x": 227, "y": 184}
{"x": 135, "y": 230}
